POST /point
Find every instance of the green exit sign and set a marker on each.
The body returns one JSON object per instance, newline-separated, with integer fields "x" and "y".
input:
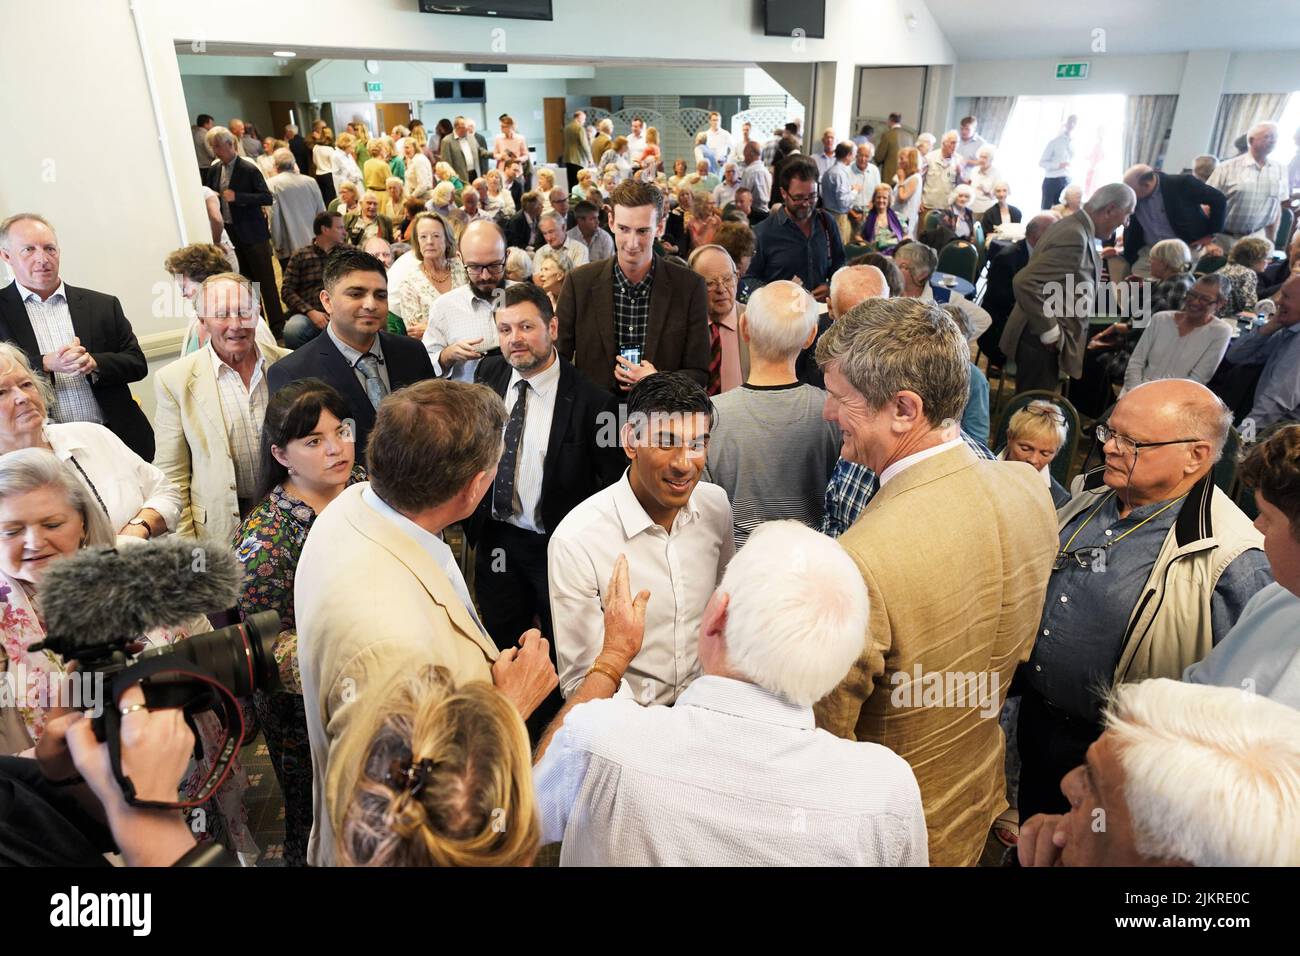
{"x": 374, "y": 87}
{"x": 1072, "y": 71}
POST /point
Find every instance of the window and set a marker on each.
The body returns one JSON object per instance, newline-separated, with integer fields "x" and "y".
{"x": 1036, "y": 120}
{"x": 1287, "y": 127}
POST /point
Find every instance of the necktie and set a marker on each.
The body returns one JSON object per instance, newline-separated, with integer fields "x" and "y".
{"x": 715, "y": 359}
{"x": 368, "y": 366}
{"x": 503, "y": 488}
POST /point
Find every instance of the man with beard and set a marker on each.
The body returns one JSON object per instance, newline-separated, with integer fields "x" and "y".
{"x": 461, "y": 330}
{"x": 674, "y": 531}
{"x": 552, "y": 461}
{"x": 798, "y": 242}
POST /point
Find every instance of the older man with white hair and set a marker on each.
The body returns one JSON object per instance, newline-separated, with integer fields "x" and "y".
{"x": 1183, "y": 775}
{"x": 942, "y": 174}
{"x": 729, "y": 360}
{"x": 737, "y": 765}
{"x": 1255, "y": 187}
{"x": 955, "y": 552}
{"x": 297, "y": 203}
{"x": 557, "y": 238}
{"x": 1153, "y": 567}
{"x": 770, "y": 476}
{"x": 917, "y": 262}
{"x": 1056, "y": 291}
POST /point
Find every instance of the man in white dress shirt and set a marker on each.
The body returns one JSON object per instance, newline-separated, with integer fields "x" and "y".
{"x": 865, "y": 176}
{"x": 635, "y": 140}
{"x": 586, "y": 230}
{"x": 460, "y": 327}
{"x": 736, "y": 774}
{"x": 719, "y": 139}
{"x": 1055, "y": 161}
{"x": 675, "y": 531}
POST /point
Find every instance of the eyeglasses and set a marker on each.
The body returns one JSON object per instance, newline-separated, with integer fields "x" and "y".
{"x": 800, "y": 199}
{"x": 720, "y": 283}
{"x": 1128, "y": 446}
{"x": 1046, "y": 411}
{"x": 485, "y": 268}
{"x": 1197, "y": 298}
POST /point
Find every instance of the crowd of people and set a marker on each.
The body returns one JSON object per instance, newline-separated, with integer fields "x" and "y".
{"x": 739, "y": 570}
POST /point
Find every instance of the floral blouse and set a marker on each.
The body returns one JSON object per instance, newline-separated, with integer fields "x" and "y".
{"x": 268, "y": 545}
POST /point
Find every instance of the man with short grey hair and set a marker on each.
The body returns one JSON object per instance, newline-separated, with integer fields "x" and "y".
{"x": 766, "y": 476}
{"x": 557, "y": 237}
{"x": 737, "y": 763}
{"x": 955, "y": 553}
{"x": 1153, "y": 568}
{"x": 297, "y": 203}
{"x": 1056, "y": 292}
{"x": 1255, "y": 187}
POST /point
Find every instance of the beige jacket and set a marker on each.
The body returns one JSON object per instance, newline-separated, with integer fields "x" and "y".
{"x": 372, "y": 607}
{"x": 956, "y": 553}
{"x": 1056, "y": 289}
{"x": 1171, "y": 628}
{"x": 191, "y": 444}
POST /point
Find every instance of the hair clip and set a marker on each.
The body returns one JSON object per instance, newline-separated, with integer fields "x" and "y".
{"x": 405, "y": 775}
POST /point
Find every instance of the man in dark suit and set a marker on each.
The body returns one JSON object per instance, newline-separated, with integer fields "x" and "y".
{"x": 300, "y": 149}
{"x": 524, "y": 230}
{"x": 513, "y": 179}
{"x": 999, "y": 297}
{"x": 1169, "y": 207}
{"x": 634, "y": 314}
{"x": 1057, "y": 289}
{"x": 354, "y": 355}
{"x": 244, "y": 192}
{"x": 561, "y": 447}
{"x": 79, "y": 339}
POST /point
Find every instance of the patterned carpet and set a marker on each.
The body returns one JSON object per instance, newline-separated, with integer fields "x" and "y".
{"x": 264, "y": 802}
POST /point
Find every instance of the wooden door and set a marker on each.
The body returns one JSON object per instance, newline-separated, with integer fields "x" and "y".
{"x": 283, "y": 112}
{"x": 553, "y": 110}
{"x": 394, "y": 114}
{"x": 603, "y": 103}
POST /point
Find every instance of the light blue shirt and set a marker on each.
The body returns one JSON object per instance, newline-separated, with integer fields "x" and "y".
{"x": 431, "y": 543}
{"x": 1277, "y": 396}
{"x": 837, "y": 188}
{"x": 1261, "y": 654}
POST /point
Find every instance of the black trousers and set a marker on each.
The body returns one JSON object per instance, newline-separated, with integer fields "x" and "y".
{"x": 1037, "y": 366}
{"x": 571, "y": 170}
{"x": 1052, "y": 189}
{"x": 256, "y": 265}
{"x": 510, "y": 585}
{"x": 1052, "y": 743}
{"x": 42, "y": 825}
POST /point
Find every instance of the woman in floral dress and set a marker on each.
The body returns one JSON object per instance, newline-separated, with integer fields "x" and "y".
{"x": 308, "y": 458}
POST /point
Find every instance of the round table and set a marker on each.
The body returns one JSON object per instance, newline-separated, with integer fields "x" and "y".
{"x": 958, "y": 284}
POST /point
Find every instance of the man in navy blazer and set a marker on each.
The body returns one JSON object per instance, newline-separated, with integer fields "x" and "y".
{"x": 243, "y": 194}
{"x": 999, "y": 297}
{"x": 106, "y": 356}
{"x": 363, "y": 363}
{"x": 1173, "y": 202}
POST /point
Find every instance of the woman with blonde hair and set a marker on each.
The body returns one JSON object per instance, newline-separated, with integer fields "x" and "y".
{"x": 444, "y": 173}
{"x": 391, "y": 200}
{"x": 348, "y": 201}
{"x": 440, "y": 271}
{"x": 376, "y": 171}
{"x": 498, "y": 199}
{"x": 907, "y": 189}
{"x": 345, "y": 168}
{"x": 322, "y": 159}
{"x": 1035, "y": 435}
{"x": 545, "y": 183}
{"x": 447, "y": 781}
{"x": 419, "y": 173}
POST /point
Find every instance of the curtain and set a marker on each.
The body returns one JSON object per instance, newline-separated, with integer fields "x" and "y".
{"x": 1238, "y": 112}
{"x": 992, "y": 112}
{"x": 1147, "y": 120}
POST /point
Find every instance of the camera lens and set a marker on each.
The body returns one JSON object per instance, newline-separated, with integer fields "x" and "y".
{"x": 239, "y": 656}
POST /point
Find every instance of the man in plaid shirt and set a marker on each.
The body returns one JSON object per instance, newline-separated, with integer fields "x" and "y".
{"x": 304, "y": 278}
{"x": 852, "y": 486}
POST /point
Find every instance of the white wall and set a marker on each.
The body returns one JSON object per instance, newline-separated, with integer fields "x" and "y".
{"x": 224, "y": 97}
{"x": 1160, "y": 73}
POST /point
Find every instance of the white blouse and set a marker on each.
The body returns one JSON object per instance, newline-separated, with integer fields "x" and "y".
{"x": 119, "y": 479}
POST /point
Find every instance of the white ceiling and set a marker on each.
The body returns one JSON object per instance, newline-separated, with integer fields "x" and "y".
{"x": 1007, "y": 29}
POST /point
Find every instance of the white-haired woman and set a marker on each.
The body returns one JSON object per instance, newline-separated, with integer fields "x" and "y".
{"x": 959, "y": 217}
{"x": 519, "y": 265}
{"x": 551, "y": 268}
{"x": 924, "y": 143}
{"x": 134, "y": 497}
{"x": 1001, "y": 211}
{"x": 983, "y": 179}
{"x": 1071, "y": 201}
{"x": 48, "y": 514}
{"x": 498, "y": 198}
{"x": 392, "y": 203}
{"x": 348, "y": 201}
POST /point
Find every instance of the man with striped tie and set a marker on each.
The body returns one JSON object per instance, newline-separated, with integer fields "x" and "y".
{"x": 362, "y": 362}
{"x": 728, "y": 350}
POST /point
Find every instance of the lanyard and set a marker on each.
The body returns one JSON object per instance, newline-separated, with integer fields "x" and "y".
{"x": 1102, "y": 504}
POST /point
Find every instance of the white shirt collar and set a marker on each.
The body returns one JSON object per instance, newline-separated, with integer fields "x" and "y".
{"x": 541, "y": 383}
{"x": 725, "y": 695}
{"x": 898, "y": 467}
{"x": 634, "y": 517}
{"x": 25, "y": 293}
{"x": 424, "y": 538}
{"x": 218, "y": 363}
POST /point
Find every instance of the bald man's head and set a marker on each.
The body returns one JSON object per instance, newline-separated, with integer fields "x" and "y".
{"x": 1176, "y": 410}
{"x": 1141, "y": 179}
{"x": 780, "y": 320}
{"x": 853, "y": 284}
{"x": 1038, "y": 225}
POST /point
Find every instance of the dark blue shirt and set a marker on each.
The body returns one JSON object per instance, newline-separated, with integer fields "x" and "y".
{"x": 1086, "y": 611}
{"x": 783, "y": 251}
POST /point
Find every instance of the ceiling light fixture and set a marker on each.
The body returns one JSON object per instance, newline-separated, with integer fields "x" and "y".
{"x": 284, "y": 53}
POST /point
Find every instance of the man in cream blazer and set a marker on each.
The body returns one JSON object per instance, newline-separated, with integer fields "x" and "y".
{"x": 192, "y": 434}
{"x": 1056, "y": 292}
{"x": 955, "y": 553}
{"x": 379, "y": 596}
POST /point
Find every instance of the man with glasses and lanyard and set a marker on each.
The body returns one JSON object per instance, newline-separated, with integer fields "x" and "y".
{"x": 1155, "y": 565}
{"x": 461, "y": 328}
{"x": 798, "y": 242}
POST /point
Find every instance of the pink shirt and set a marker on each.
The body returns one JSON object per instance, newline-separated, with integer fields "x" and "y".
{"x": 730, "y": 374}
{"x": 514, "y": 144}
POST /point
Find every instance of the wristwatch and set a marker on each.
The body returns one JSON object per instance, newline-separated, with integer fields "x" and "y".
{"x": 148, "y": 532}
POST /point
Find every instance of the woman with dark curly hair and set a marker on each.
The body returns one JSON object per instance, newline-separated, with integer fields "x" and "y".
{"x": 190, "y": 266}
{"x": 308, "y": 458}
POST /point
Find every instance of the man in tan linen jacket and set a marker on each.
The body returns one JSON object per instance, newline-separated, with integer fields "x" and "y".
{"x": 955, "y": 553}
{"x": 378, "y": 595}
